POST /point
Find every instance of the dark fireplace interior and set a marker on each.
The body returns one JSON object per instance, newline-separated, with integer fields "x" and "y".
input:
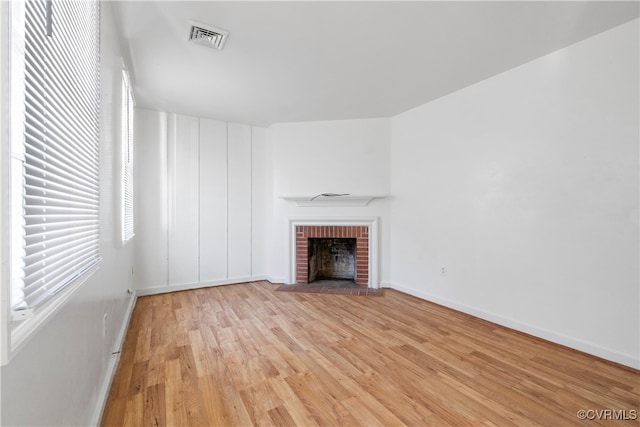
{"x": 332, "y": 259}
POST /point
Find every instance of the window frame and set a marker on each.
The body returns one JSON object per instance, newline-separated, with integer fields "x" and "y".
{"x": 126, "y": 208}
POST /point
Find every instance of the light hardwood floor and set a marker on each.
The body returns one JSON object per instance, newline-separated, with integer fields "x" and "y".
{"x": 242, "y": 355}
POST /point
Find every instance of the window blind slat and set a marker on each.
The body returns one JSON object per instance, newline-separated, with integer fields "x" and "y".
{"x": 45, "y": 258}
{"x": 51, "y": 194}
{"x": 63, "y": 247}
{"x": 43, "y": 168}
{"x": 35, "y": 229}
{"x": 56, "y": 177}
{"x": 63, "y": 46}
{"x": 61, "y": 125}
{"x": 50, "y": 235}
{"x": 67, "y": 257}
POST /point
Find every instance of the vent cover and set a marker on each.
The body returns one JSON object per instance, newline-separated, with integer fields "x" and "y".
{"x": 207, "y": 35}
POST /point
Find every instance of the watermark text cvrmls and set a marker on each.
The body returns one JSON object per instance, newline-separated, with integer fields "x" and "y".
{"x": 608, "y": 414}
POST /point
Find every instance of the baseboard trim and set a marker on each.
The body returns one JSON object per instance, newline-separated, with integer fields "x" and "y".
{"x": 279, "y": 280}
{"x": 197, "y": 285}
{"x": 586, "y": 347}
{"x": 112, "y": 364}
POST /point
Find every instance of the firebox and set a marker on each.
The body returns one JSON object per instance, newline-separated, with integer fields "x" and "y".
{"x": 332, "y": 258}
{"x": 332, "y": 252}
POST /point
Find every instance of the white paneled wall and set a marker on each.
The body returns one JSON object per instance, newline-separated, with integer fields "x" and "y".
{"x": 183, "y": 141}
{"x": 213, "y": 200}
{"x": 209, "y": 200}
{"x": 261, "y": 194}
{"x": 239, "y": 201}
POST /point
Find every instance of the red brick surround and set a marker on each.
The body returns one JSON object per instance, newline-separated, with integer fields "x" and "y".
{"x": 359, "y": 232}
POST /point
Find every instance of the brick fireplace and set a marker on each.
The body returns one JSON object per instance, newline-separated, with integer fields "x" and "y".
{"x": 361, "y": 234}
{"x": 363, "y": 229}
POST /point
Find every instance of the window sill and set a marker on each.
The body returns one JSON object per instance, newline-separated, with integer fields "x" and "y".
{"x": 22, "y": 331}
{"x": 121, "y": 243}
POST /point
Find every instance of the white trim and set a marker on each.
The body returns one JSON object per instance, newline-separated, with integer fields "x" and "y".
{"x": 112, "y": 364}
{"x": 370, "y": 222}
{"x": 118, "y": 206}
{"x": 274, "y": 279}
{"x": 197, "y": 285}
{"x": 5, "y": 156}
{"x": 127, "y": 158}
{"x": 587, "y": 347}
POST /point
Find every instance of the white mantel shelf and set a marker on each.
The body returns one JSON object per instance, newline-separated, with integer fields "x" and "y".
{"x": 335, "y": 201}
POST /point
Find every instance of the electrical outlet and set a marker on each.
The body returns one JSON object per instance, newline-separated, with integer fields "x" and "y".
{"x": 104, "y": 325}
{"x": 443, "y": 270}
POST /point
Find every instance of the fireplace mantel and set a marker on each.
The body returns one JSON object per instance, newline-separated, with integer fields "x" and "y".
{"x": 332, "y": 201}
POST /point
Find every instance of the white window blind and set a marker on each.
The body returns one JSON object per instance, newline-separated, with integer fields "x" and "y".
{"x": 127, "y": 159}
{"x": 60, "y": 159}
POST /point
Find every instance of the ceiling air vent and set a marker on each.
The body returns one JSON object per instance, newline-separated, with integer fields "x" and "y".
{"x": 207, "y": 35}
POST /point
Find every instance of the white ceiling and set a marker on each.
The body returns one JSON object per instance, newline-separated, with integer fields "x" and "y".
{"x": 306, "y": 61}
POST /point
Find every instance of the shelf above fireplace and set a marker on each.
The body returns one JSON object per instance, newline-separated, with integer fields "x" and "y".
{"x": 332, "y": 201}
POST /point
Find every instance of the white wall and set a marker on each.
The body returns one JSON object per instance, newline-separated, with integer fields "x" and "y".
{"x": 151, "y": 197}
{"x": 61, "y": 376}
{"x": 202, "y": 201}
{"x": 309, "y": 158}
{"x": 526, "y": 187}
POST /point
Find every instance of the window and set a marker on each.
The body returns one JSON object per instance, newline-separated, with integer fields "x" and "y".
{"x": 55, "y": 97}
{"x": 126, "y": 213}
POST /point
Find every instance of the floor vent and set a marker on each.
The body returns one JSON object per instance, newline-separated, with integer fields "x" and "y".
{"x": 206, "y": 35}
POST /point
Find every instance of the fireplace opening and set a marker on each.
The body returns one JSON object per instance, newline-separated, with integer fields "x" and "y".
{"x": 332, "y": 259}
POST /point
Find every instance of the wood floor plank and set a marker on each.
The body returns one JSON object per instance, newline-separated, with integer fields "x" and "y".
{"x": 389, "y": 395}
{"x": 216, "y": 410}
{"x": 154, "y": 412}
{"x": 133, "y": 415}
{"x": 245, "y": 354}
{"x": 291, "y": 402}
{"x": 281, "y": 417}
{"x": 175, "y": 405}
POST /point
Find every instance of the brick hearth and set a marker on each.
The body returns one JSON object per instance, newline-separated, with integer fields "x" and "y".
{"x": 358, "y": 232}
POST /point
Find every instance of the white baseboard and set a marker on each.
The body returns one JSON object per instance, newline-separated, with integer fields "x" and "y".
{"x": 590, "y": 348}
{"x": 274, "y": 279}
{"x": 112, "y": 363}
{"x": 187, "y": 286}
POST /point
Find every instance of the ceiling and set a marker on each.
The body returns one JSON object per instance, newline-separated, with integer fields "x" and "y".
{"x": 307, "y": 61}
